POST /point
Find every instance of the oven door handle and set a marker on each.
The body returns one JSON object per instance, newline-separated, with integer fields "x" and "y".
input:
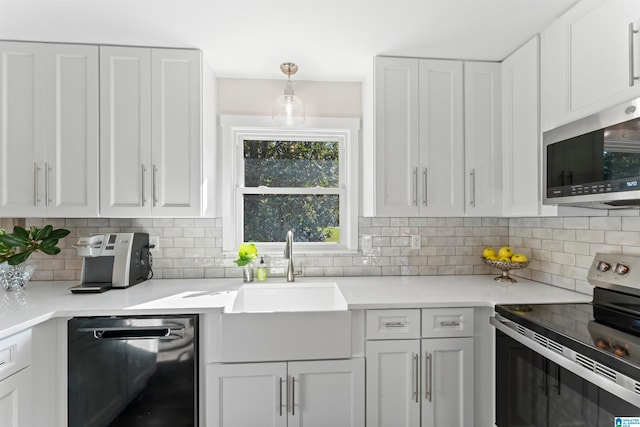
{"x": 161, "y": 332}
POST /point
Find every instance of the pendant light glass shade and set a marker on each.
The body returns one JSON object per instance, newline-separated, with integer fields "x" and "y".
{"x": 288, "y": 109}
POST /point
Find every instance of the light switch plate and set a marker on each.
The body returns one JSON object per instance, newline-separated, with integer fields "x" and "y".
{"x": 415, "y": 241}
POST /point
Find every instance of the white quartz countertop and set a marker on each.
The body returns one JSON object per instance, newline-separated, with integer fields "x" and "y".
{"x": 40, "y": 301}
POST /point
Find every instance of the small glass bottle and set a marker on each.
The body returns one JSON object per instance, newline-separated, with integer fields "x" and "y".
{"x": 262, "y": 270}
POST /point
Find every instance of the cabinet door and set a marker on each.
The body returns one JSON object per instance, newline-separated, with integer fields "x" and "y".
{"x": 520, "y": 132}
{"x": 598, "y": 37}
{"x": 587, "y": 60}
{"x": 22, "y": 103}
{"x": 393, "y": 383}
{"x": 176, "y": 132}
{"x": 71, "y": 167}
{"x": 483, "y": 143}
{"x": 396, "y": 137}
{"x": 125, "y": 131}
{"x": 15, "y": 400}
{"x": 447, "y": 389}
{"x": 247, "y": 395}
{"x": 441, "y": 173}
{"x": 326, "y": 393}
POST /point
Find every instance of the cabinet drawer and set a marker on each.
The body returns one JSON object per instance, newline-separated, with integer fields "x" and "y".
{"x": 393, "y": 324}
{"x": 15, "y": 353}
{"x": 447, "y": 322}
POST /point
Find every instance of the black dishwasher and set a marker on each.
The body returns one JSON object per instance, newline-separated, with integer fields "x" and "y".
{"x": 137, "y": 371}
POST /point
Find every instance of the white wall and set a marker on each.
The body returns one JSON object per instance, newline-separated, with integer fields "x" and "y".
{"x": 321, "y": 99}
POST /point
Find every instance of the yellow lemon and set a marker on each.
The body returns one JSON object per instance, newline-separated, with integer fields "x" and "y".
{"x": 505, "y": 252}
{"x": 504, "y": 258}
{"x": 487, "y": 252}
{"x": 519, "y": 258}
{"x": 492, "y": 258}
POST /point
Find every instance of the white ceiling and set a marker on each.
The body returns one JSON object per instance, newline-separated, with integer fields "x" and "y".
{"x": 331, "y": 40}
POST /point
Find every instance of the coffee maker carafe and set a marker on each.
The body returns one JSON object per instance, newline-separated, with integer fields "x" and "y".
{"x": 113, "y": 260}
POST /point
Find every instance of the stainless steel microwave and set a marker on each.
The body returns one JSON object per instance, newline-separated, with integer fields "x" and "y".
{"x": 595, "y": 161}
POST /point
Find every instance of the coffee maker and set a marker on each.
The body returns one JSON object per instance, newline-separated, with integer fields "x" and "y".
{"x": 113, "y": 260}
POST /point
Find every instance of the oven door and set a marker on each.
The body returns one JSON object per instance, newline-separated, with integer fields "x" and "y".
{"x": 532, "y": 390}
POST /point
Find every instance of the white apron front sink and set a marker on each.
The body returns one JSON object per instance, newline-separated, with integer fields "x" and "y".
{"x": 285, "y": 321}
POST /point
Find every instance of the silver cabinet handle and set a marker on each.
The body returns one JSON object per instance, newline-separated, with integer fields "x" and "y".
{"x": 293, "y": 395}
{"x": 428, "y": 377}
{"x": 280, "y": 393}
{"x": 47, "y": 170}
{"x": 424, "y": 188}
{"x": 415, "y": 378}
{"x": 449, "y": 323}
{"x": 415, "y": 186}
{"x": 394, "y": 324}
{"x": 144, "y": 196}
{"x": 35, "y": 183}
{"x": 632, "y": 77}
{"x": 153, "y": 185}
{"x": 472, "y": 179}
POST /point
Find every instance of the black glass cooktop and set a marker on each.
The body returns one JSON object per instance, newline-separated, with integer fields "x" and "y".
{"x": 584, "y": 328}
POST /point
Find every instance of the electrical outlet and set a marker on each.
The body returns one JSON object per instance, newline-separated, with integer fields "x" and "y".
{"x": 155, "y": 242}
{"x": 415, "y": 241}
{"x": 367, "y": 243}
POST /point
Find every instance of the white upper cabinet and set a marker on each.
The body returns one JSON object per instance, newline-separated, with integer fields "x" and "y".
{"x": 176, "y": 131}
{"x": 71, "y": 131}
{"x": 49, "y": 128}
{"x": 590, "y": 60}
{"x": 521, "y": 132}
{"x": 397, "y": 139}
{"x": 483, "y": 142}
{"x": 150, "y": 149}
{"x": 125, "y": 131}
{"x": 422, "y": 110}
{"x": 441, "y": 173}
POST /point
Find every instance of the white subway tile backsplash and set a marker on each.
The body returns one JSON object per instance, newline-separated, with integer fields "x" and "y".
{"x": 560, "y": 249}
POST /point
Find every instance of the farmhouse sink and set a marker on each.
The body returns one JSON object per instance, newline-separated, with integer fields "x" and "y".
{"x": 288, "y": 297}
{"x": 285, "y": 321}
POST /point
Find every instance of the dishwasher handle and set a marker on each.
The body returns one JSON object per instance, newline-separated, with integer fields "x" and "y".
{"x": 163, "y": 332}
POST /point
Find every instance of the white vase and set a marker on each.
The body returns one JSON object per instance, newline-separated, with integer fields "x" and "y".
{"x": 14, "y": 277}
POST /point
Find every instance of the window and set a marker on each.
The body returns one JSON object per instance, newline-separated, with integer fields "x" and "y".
{"x": 280, "y": 179}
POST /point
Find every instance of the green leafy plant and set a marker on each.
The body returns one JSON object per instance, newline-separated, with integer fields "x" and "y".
{"x": 16, "y": 247}
{"x": 247, "y": 253}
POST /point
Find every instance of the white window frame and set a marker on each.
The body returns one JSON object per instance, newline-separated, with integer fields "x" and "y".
{"x": 236, "y": 129}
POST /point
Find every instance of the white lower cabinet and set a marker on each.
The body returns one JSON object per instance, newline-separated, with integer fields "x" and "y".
{"x": 424, "y": 382}
{"x": 447, "y": 382}
{"x": 291, "y": 394}
{"x": 15, "y": 399}
{"x": 393, "y": 374}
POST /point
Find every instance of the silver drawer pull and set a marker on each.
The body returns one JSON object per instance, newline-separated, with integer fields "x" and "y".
{"x": 394, "y": 324}
{"x": 449, "y": 323}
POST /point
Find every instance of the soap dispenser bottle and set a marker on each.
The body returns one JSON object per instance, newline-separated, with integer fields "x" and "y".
{"x": 262, "y": 270}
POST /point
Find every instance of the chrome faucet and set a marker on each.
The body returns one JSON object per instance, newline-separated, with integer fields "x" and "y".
{"x": 288, "y": 254}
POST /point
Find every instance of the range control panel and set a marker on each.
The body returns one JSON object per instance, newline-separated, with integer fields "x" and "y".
{"x": 618, "y": 270}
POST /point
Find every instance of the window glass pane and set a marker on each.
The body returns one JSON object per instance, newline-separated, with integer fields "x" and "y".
{"x": 291, "y": 164}
{"x": 313, "y": 218}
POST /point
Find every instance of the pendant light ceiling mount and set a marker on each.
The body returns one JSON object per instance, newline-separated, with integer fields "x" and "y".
{"x": 288, "y": 109}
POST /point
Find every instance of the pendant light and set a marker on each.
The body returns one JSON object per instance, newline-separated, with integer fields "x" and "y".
{"x": 288, "y": 109}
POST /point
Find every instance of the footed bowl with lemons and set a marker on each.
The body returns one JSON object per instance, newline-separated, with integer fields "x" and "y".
{"x": 505, "y": 260}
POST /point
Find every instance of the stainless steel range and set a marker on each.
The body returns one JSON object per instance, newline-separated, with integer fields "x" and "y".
{"x": 573, "y": 364}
